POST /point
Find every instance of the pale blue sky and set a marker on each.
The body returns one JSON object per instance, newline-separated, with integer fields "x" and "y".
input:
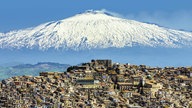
{"x": 18, "y": 14}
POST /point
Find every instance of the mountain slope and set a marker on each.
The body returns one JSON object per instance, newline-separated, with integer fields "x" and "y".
{"x": 29, "y": 69}
{"x": 95, "y": 29}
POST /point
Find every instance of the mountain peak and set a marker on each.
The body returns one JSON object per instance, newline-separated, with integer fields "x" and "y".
{"x": 95, "y": 29}
{"x": 98, "y": 12}
{"x": 92, "y": 15}
{"x": 93, "y": 11}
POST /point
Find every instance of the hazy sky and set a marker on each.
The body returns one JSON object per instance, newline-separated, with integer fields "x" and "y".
{"x": 18, "y": 14}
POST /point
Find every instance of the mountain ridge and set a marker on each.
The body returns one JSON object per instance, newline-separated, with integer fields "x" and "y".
{"x": 95, "y": 29}
{"x": 31, "y": 69}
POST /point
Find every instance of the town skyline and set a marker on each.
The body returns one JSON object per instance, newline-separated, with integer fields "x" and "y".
{"x": 101, "y": 84}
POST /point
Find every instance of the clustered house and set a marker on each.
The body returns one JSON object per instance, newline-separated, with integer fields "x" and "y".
{"x": 101, "y": 84}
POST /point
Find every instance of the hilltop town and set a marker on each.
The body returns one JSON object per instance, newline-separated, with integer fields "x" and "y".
{"x": 101, "y": 84}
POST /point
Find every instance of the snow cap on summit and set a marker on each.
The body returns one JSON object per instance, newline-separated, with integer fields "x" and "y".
{"x": 95, "y": 29}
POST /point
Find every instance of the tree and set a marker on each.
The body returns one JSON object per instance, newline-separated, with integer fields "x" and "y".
{"x": 71, "y": 68}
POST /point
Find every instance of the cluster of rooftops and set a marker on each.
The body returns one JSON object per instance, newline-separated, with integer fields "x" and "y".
{"x": 101, "y": 84}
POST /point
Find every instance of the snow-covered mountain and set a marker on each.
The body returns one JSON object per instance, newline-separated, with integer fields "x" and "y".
{"x": 95, "y": 29}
